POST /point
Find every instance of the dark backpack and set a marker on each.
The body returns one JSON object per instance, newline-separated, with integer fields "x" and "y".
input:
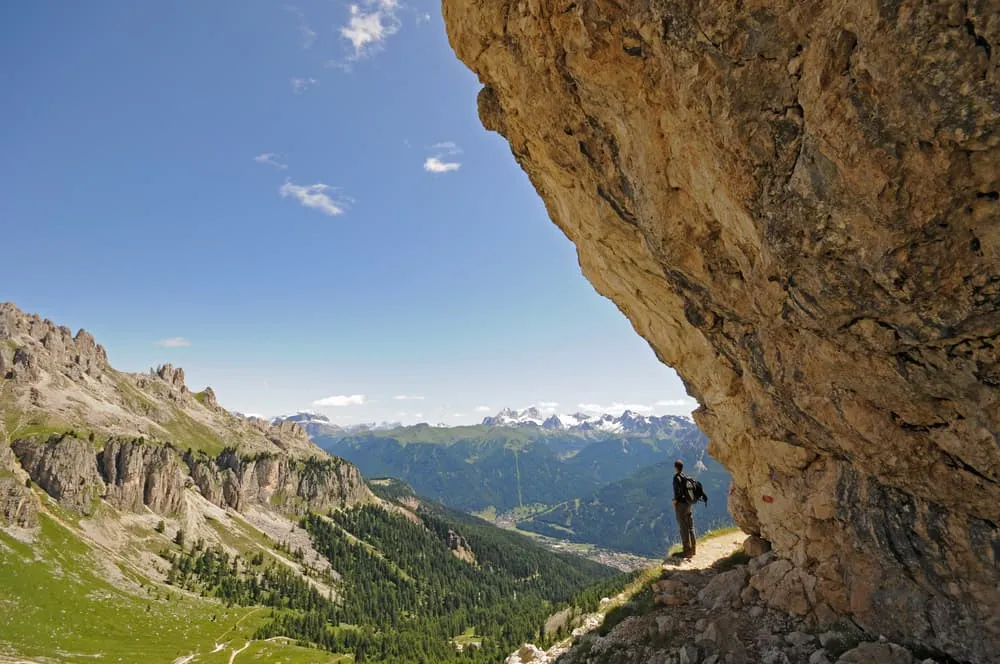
{"x": 694, "y": 490}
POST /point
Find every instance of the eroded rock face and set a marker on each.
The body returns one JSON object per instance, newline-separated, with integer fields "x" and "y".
{"x": 18, "y": 505}
{"x": 796, "y": 203}
{"x": 65, "y": 467}
{"x": 319, "y": 485}
{"x": 140, "y": 474}
{"x": 133, "y": 474}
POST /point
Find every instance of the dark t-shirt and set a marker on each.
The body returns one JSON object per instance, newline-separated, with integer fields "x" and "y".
{"x": 680, "y": 492}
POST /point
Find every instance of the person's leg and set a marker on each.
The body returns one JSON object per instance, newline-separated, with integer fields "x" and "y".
{"x": 694, "y": 541}
{"x": 686, "y": 528}
{"x": 679, "y": 512}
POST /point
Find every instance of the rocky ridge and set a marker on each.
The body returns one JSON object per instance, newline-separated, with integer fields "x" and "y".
{"x": 53, "y": 380}
{"x": 132, "y": 475}
{"x": 148, "y": 439}
{"x": 796, "y": 204}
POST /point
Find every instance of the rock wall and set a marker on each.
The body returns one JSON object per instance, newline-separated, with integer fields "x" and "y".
{"x": 296, "y": 487}
{"x": 796, "y": 203}
{"x": 65, "y": 468}
{"x": 18, "y": 505}
{"x": 133, "y": 475}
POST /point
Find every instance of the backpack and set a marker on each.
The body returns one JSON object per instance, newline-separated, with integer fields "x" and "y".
{"x": 695, "y": 491}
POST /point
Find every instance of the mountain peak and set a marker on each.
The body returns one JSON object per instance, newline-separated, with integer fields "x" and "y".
{"x": 629, "y": 422}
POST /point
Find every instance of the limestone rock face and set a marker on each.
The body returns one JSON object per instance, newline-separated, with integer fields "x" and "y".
{"x": 320, "y": 485}
{"x": 18, "y": 505}
{"x": 796, "y": 203}
{"x": 140, "y": 474}
{"x": 65, "y": 467}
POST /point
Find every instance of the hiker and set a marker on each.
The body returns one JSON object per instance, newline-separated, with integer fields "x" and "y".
{"x": 682, "y": 508}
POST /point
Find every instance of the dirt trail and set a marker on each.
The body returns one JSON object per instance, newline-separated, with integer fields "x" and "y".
{"x": 708, "y": 551}
{"x": 232, "y": 658}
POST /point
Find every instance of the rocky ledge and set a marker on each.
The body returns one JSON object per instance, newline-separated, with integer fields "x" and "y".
{"x": 719, "y": 617}
{"x": 796, "y": 203}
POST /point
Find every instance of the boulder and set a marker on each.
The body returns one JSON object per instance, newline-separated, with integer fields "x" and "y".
{"x": 877, "y": 653}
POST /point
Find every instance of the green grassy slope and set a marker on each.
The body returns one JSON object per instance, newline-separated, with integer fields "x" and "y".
{"x": 56, "y": 605}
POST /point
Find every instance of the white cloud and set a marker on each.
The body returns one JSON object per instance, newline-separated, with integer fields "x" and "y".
{"x": 548, "y": 404}
{"x": 437, "y": 163}
{"x": 313, "y": 196}
{"x": 674, "y": 403}
{"x": 483, "y": 409}
{"x": 423, "y": 18}
{"x": 370, "y": 26}
{"x": 615, "y": 408}
{"x": 300, "y": 85}
{"x": 458, "y": 414}
{"x": 174, "y": 342}
{"x": 341, "y": 400}
{"x": 408, "y": 397}
{"x": 307, "y": 34}
{"x": 271, "y": 159}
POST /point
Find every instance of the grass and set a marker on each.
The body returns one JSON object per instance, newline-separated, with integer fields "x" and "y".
{"x": 55, "y": 603}
{"x": 186, "y": 432}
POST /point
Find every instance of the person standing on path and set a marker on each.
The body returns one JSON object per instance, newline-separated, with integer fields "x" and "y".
{"x": 682, "y": 508}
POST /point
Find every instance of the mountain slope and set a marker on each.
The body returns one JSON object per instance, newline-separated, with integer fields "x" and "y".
{"x": 125, "y": 537}
{"x": 635, "y": 514}
{"x": 54, "y": 380}
{"x": 514, "y": 464}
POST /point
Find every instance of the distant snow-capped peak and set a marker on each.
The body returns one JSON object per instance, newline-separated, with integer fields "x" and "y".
{"x": 628, "y": 422}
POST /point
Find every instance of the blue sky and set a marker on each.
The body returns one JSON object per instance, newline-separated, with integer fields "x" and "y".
{"x": 296, "y": 203}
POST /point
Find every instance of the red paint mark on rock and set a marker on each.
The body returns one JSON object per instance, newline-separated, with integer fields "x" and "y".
{"x": 767, "y": 499}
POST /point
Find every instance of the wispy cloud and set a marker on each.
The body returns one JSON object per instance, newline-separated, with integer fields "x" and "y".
{"x": 174, "y": 342}
{"x": 314, "y": 196}
{"x": 307, "y": 34}
{"x": 408, "y": 397}
{"x": 614, "y": 408}
{"x": 674, "y": 403}
{"x": 370, "y": 25}
{"x": 439, "y": 161}
{"x": 300, "y": 85}
{"x": 423, "y": 18}
{"x": 341, "y": 400}
{"x": 271, "y": 159}
{"x": 483, "y": 409}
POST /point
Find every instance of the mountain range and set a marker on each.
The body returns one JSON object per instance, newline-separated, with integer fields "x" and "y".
{"x": 141, "y": 521}
{"x": 628, "y": 422}
{"x": 602, "y": 480}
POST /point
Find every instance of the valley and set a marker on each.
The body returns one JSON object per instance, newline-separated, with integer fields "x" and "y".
{"x": 603, "y": 481}
{"x": 141, "y": 521}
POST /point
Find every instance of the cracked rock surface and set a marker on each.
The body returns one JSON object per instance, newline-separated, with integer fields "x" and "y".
{"x": 796, "y": 203}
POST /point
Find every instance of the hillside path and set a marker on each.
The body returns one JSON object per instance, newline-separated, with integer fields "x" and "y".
{"x": 709, "y": 550}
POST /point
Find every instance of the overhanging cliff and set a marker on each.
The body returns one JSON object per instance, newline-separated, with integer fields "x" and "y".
{"x": 796, "y": 203}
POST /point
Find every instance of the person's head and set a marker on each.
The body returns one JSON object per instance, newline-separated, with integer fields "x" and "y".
{"x": 678, "y": 465}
